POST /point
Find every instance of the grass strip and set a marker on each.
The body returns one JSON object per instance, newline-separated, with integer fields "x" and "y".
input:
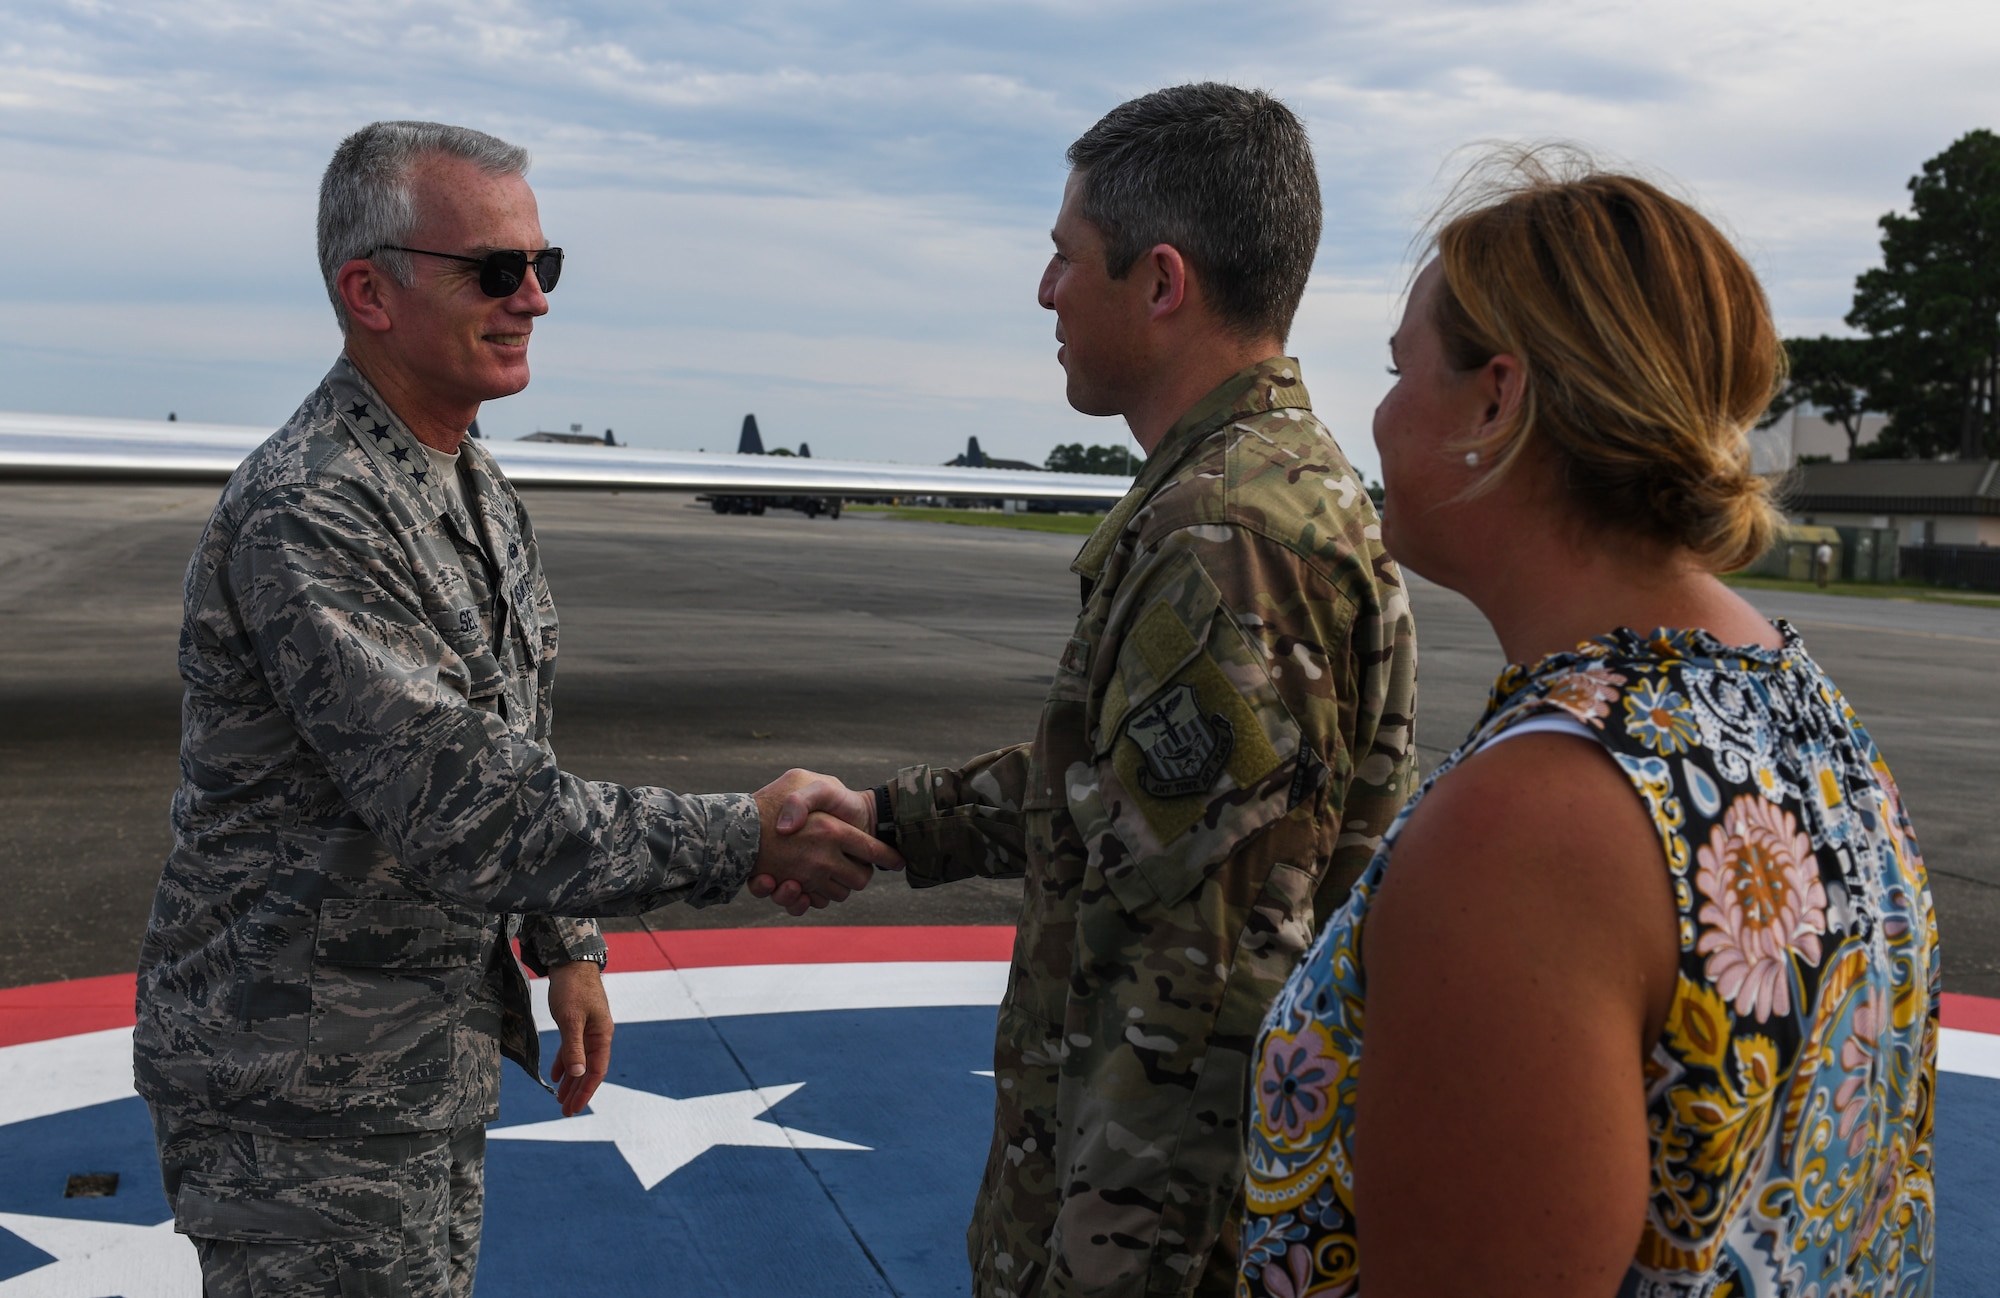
{"x": 1071, "y": 524}
{"x": 1085, "y": 524}
{"x": 1906, "y": 589}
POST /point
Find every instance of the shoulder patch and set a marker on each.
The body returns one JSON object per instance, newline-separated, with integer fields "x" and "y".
{"x": 1175, "y": 747}
{"x": 1184, "y": 750}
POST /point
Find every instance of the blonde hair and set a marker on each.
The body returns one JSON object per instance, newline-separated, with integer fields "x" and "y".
{"x": 1645, "y": 341}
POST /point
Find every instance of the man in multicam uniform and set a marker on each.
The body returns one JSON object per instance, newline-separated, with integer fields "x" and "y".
{"x": 369, "y": 804}
{"x": 1228, "y": 733}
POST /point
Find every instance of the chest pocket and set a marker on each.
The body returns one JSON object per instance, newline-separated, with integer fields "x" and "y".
{"x": 1191, "y": 741}
{"x": 470, "y": 666}
{"x": 1055, "y": 746}
{"x": 472, "y": 621}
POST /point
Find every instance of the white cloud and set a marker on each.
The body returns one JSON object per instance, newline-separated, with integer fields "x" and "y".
{"x": 835, "y": 214}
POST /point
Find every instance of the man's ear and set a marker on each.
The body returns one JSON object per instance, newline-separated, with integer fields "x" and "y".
{"x": 1167, "y": 280}
{"x": 361, "y": 284}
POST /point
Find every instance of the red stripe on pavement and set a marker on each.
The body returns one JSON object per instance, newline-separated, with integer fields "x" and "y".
{"x": 699, "y": 948}
{"x": 709, "y": 947}
{"x": 1971, "y": 1013}
{"x": 65, "y": 1009}
{"x": 93, "y": 1004}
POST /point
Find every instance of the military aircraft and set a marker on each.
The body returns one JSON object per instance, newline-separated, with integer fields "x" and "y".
{"x": 751, "y": 442}
{"x": 71, "y": 447}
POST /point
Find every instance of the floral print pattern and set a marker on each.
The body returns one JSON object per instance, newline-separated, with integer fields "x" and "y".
{"x": 1763, "y": 905}
{"x": 1789, "y": 1096}
{"x": 1294, "y": 1076}
{"x": 1659, "y": 718}
{"x": 1587, "y": 693}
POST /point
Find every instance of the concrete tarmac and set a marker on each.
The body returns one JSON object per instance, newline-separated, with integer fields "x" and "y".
{"x": 708, "y": 653}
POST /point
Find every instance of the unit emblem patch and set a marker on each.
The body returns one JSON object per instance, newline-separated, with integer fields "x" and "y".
{"x": 1184, "y": 750}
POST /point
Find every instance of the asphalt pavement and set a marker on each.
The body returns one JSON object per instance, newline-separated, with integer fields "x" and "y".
{"x": 710, "y": 653}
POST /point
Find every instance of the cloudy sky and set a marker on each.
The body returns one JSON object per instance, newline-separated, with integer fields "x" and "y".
{"x": 834, "y": 214}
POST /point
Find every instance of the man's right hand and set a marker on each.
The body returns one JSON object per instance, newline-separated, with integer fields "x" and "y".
{"x": 813, "y": 845}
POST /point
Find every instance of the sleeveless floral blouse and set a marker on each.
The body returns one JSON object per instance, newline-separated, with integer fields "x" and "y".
{"x": 1789, "y": 1097}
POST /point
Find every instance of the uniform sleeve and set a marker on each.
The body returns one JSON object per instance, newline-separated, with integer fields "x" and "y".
{"x": 551, "y": 940}
{"x": 472, "y": 804}
{"x": 964, "y": 823}
{"x": 1383, "y": 741}
{"x": 1243, "y": 703}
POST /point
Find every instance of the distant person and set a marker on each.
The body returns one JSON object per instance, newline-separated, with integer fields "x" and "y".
{"x": 369, "y": 806}
{"x": 1640, "y": 996}
{"x": 1822, "y": 563}
{"x": 1228, "y": 733}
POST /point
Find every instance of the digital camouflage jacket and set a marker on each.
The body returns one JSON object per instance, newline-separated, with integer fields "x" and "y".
{"x": 1227, "y": 737}
{"x": 368, "y": 795}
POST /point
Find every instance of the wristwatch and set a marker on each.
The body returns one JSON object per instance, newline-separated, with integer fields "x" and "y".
{"x": 885, "y": 815}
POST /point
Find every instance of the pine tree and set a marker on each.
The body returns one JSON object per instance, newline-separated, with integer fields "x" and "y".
{"x": 1932, "y": 309}
{"x": 1836, "y": 377}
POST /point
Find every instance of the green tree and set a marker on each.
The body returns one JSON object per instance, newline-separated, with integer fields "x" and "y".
{"x": 1932, "y": 309}
{"x": 1078, "y": 458}
{"x": 1835, "y": 376}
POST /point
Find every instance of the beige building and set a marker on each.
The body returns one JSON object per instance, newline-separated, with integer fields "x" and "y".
{"x": 1928, "y": 502}
{"x": 1802, "y": 433}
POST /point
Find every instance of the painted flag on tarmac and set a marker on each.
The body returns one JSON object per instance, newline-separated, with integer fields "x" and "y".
{"x": 793, "y": 1111}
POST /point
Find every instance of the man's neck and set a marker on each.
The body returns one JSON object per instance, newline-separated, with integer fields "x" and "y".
{"x": 439, "y": 425}
{"x": 1187, "y": 376}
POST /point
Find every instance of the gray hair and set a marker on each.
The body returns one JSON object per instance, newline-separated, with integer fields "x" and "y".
{"x": 366, "y": 201}
{"x": 1223, "y": 175}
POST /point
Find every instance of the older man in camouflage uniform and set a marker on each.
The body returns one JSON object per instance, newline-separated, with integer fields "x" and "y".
{"x": 1229, "y": 729}
{"x": 369, "y": 804}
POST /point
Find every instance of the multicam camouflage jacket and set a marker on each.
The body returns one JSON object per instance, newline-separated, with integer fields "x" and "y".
{"x": 1227, "y": 737}
{"x": 368, "y": 798}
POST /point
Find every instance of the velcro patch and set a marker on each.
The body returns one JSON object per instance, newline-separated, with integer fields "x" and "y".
{"x": 1177, "y": 746}
{"x": 1076, "y": 656}
{"x": 1155, "y": 650}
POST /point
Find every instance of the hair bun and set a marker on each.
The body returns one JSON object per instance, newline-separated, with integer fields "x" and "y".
{"x": 1646, "y": 338}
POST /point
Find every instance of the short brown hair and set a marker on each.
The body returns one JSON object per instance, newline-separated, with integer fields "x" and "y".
{"x": 1645, "y": 339}
{"x": 1225, "y": 176}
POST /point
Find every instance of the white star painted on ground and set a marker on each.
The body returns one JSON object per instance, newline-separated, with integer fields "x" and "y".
{"x": 103, "y": 1259}
{"x": 658, "y": 1135}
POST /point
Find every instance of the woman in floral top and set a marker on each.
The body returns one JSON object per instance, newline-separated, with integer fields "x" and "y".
{"x": 1648, "y": 970}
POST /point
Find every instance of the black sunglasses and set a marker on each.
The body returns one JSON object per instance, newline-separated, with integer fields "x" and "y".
{"x": 501, "y": 273}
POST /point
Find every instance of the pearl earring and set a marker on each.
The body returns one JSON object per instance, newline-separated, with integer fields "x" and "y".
{"x": 1472, "y": 458}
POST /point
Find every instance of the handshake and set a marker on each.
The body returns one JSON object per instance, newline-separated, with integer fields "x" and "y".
{"x": 815, "y": 843}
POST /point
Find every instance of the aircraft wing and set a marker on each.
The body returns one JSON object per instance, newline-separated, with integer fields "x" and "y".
{"x": 139, "y": 450}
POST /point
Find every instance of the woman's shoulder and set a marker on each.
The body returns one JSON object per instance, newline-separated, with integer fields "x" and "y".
{"x": 1533, "y": 841}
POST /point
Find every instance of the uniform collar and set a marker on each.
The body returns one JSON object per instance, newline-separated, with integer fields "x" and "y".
{"x": 385, "y": 438}
{"x": 1271, "y": 384}
{"x": 396, "y": 452}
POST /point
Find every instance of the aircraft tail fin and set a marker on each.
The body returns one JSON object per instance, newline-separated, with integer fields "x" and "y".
{"x": 752, "y": 442}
